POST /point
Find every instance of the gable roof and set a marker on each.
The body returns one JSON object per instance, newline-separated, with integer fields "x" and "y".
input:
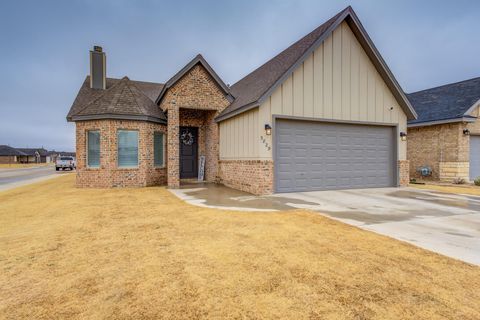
{"x": 257, "y": 86}
{"x": 448, "y": 103}
{"x": 122, "y": 99}
{"x": 197, "y": 60}
{"x": 10, "y": 151}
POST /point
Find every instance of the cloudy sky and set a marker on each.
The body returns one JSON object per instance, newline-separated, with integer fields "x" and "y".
{"x": 45, "y": 44}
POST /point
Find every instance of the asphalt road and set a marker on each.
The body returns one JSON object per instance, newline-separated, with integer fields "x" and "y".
{"x": 10, "y": 178}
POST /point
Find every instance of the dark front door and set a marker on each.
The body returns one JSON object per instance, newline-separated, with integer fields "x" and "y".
{"x": 188, "y": 152}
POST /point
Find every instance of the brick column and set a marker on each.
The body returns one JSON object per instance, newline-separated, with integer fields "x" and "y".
{"x": 173, "y": 165}
{"x": 212, "y": 152}
{"x": 403, "y": 173}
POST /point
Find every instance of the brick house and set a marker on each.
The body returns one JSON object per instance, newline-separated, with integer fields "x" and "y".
{"x": 446, "y": 136}
{"x": 325, "y": 113}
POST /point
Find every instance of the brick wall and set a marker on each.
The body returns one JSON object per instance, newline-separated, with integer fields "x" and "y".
{"x": 8, "y": 159}
{"x": 438, "y": 147}
{"x": 184, "y": 102}
{"x": 403, "y": 172}
{"x": 109, "y": 175}
{"x": 253, "y": 176}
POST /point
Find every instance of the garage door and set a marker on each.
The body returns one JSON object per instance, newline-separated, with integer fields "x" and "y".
{"x": 327, "y": 156}
{"x": 474, "y": 157}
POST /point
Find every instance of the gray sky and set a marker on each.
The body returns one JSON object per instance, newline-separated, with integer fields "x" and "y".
{"x": 45, "y": 44}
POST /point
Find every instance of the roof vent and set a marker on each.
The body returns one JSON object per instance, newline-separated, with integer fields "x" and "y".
{"x": 98, "y": 66}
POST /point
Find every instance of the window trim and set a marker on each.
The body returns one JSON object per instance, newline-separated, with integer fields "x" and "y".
{"x": 99, "y": 149}
{"x": 138, "y": 150}
{"x": 163, "y": 150}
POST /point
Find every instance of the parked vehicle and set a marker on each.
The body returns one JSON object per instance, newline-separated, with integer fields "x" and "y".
{"x": 65, "y": 162}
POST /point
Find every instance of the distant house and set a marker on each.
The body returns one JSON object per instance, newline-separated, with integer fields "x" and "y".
{"x": 32, "y": 155}
{"x": 446, "y": 135}
{"x": 53, "y": 155}
{"x": 9, "y": 154}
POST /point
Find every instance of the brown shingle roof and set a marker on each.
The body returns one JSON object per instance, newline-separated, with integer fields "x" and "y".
{"x": 122, "y": 98}
{"x": 253, "y": 86}
{"x": 250, "y": 91}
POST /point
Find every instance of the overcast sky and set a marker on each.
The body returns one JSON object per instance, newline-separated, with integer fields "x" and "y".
{"x": 45, "y": 44}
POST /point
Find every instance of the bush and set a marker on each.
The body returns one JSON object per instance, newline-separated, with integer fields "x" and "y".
{"x": 477, "y": 181}
{"x": 458, "y": 181}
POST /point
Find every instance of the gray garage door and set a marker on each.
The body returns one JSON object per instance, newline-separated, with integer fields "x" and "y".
{"x": 474, "y": 157}
{"x": 326, "y": 156}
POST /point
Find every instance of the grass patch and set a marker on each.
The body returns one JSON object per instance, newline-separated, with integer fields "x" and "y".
{"x": 142, "y": 253}
{"x": 22, "y": 165}
{"x": 467, "y": 189}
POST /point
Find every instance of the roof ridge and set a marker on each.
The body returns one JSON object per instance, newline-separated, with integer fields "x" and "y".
{"x": 444, "y": 85}
{"x": 135, "y": 94}
{"x": 329, "y": 21}
{"x": 99, "y": 97}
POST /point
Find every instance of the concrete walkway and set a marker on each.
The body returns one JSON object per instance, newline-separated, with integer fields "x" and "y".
{"x": 445, "y": 223}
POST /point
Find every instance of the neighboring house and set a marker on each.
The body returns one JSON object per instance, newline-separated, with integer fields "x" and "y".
{"x": 446, "y": 135}
{"x": 326, "y": 113}
{"x": 9, "y": 154}
{"x": 32, "y": 155}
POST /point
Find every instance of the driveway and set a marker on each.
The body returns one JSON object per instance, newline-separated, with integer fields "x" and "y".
{"x": 445, "y": 223}
{"x": 12, "y": 178}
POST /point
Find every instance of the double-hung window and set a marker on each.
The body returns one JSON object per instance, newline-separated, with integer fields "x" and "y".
{"x": 158, "y": 149}
{"x": 127, "y": 148}
{"x": 93, "y": 149}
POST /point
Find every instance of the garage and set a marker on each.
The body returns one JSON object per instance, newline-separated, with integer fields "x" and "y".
{"x": 313, "y": 155}
{"x": 474, "y": 157}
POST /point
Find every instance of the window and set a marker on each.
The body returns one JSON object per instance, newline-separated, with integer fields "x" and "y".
{"x": 93, "y": 149}
{"x": 158, "y": 147}
{"x": 127, "y": 148}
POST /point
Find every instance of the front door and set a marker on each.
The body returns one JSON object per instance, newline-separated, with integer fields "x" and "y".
{"x": 188, "y": 152}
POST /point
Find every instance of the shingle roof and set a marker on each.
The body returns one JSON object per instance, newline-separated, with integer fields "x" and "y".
{"x": 10, "y": 151}
{"x": 121, "y": 98}
{"x": 254, "y": 87}
{"x": 31, "y": 151}
{"x": 447, "y": 102}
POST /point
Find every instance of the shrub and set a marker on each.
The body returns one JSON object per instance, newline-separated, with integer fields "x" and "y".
{"x": 458, "y": 180}
{"x": 477, "y": 181}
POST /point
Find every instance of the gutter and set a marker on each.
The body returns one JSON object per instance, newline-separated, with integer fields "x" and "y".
{"x": 435, "y": 122}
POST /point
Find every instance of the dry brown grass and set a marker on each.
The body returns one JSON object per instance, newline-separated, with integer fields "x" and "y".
{"x": 142, "y": 253}
{"x": 22, "y": 165}
{"x": 467, "y": 189}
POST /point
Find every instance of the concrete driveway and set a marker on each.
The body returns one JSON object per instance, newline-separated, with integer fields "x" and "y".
{"x": 445, "y": 223}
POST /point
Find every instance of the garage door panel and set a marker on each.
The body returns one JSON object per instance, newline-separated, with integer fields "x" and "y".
{"x": 321, "y": 156}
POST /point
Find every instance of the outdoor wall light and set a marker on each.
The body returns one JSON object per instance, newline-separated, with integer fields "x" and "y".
{"x": 268, "y": 130}
{"x": 466, "y": 132}
{"x": 403, "y": 136}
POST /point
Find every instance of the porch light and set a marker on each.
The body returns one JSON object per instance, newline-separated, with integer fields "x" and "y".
{"x": 268, "y": 129}
{"x": 466, "y": 132}
{"x": 403, "y": 136}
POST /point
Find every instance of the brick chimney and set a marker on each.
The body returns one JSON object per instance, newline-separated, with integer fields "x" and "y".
{"x": 98, "y": 68}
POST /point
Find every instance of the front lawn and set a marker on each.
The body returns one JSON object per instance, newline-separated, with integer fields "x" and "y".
{"x": 142, "y": 253}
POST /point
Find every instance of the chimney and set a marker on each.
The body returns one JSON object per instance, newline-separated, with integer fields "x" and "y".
{"x": 98, "y": 66}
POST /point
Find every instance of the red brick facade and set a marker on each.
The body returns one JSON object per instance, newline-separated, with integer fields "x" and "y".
{"x": 253, "y": 176}
{"x": 194, "y": 100}
{"x": 109, "y": 174}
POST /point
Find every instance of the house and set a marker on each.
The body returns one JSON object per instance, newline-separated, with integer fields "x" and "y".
{"x": 32, "y": 155}
{"x": 325, "y": 113}
{"x": 53, "y": 155}
{"x": 445, "y": 138}
{"x": 9, "y": 154}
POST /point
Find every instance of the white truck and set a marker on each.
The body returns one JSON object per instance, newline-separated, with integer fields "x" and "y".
{"x": 65, "y": 162}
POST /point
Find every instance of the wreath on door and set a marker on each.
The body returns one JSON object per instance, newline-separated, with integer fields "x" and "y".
{"x": 187, "y": 138}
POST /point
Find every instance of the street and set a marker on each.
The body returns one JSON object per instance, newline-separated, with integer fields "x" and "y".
{"x": 10, "y": 178}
